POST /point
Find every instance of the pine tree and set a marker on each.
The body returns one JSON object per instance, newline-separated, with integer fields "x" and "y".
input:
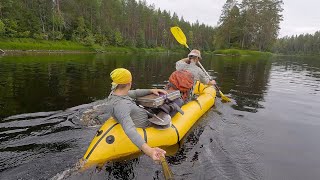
{"x": 228, "y": 30}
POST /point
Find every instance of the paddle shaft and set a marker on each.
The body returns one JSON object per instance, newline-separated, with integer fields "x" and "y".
{"x": 166, "y": 169}
{"x": 207, "y": 74}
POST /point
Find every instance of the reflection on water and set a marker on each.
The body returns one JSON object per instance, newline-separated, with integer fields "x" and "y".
{"x": 272, "y": 118}
{"x": 246, "y": 79}
{"x": 46, "y": 83}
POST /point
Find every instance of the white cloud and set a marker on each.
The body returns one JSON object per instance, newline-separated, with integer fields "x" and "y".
{"x": 300, "y": 17}
{"x": 206, "y": 11}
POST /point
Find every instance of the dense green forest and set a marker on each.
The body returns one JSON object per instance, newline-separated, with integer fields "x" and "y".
{"x": 104, "y": 22}
{"x": 304, "y": 44}
{"x": 251, "y": 24}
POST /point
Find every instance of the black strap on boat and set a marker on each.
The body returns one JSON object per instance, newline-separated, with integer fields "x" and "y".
{"x": 199, "y": 87}
{"x": 175, "y": 128}
{"x": 94, "y": 147}
{"x": 145, "y": 135}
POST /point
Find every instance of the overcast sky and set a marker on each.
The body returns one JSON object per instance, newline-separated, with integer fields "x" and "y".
{"x": 300, "y": 16}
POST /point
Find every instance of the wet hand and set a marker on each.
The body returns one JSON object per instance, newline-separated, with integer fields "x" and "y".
{"x": 158, "y": 91}
{"x": 156, "y": 153}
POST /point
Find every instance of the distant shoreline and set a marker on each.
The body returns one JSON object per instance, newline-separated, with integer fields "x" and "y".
{"x": 123, "y": 50}
{"x": 19, "y": 51}
{"x": 240, "y": 52}
{"x": 28, "y": 45}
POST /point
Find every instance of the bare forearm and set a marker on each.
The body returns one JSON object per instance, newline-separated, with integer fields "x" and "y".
{"x": 132, "y": 133}
{"x": 146, "y": 149}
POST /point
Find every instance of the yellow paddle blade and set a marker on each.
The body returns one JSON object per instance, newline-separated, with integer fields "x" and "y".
{"x": 224, "y": 98}
{"x": 179, "y": 35}
{"x": 166, "y": 169}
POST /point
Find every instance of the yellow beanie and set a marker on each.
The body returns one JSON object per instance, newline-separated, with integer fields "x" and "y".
{"x": 120, "y": 76}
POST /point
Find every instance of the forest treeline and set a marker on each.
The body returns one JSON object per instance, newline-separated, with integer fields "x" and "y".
{"x": 251, "y": 24}
{"x": 104, "y": 22}
{"x": 304, "y": 44}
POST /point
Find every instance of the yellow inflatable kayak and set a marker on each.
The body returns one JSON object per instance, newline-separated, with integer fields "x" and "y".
{"x": 111, "y": 142}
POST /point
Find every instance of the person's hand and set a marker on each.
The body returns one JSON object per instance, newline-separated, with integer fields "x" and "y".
{"x": 156, "y": 153}
{"x": 212, "y": 82}
{"x": 158, "y": 91}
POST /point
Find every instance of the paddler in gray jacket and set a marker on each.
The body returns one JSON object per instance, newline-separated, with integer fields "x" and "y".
{"x": 125, "y": 111}
{"x": 190, "y": 64}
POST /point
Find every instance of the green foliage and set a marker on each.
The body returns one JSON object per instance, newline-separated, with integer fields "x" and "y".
{"x": 165, "y": 36}
{"x": 141, "y": 40}
{"x": 229, "y": 31}
{"x": 55, "y": 35}
{"x": 99, "y": 22}
{"x": 40, "y": 36}
{"x": 10, "y": 28}
{"x": 27, "y": 43}
{"x": 24, "y": 34}
{"x": 82, "y": 34}
{"x": 81, "y": 31}
{"x": 88, "y": 40}
{"x": 253, "y": 24}
{"x": 117, "y": 38}
{"x": 238, "y": 52}
{"x": 190, "y": 38}
{"x": 63, "y": 45}
{"x": 130, "y": 42}
{"x": 57, "y": 20}
{"x": 232, "y": 52}
{"x": 101, "y": 39}
{"x": 304, "y": 44}
{"x": 2, "y": 27}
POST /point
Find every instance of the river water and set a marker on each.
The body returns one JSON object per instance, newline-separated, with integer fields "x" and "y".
{"x": 270, "y": 129}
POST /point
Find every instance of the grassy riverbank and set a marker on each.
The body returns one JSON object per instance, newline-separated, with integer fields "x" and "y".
{"x": 33, "y": 45}
{"x": 239, "y": 52}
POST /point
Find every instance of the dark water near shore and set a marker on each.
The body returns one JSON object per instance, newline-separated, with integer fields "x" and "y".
{"x": 269, "y": 131}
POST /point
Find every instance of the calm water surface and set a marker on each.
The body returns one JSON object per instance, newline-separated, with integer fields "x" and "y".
{"x": 270, "y": 129}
